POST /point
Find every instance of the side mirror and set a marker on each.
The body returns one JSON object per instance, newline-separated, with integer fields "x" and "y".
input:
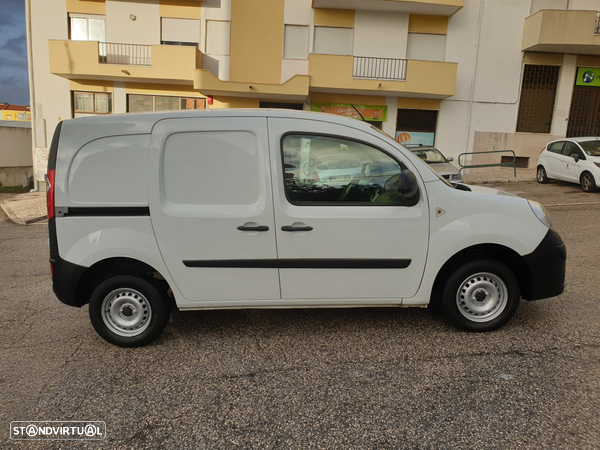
{"x": 407, "y": 184}
{"x": 450, "y": 159}
{"x": 575, "y": 156}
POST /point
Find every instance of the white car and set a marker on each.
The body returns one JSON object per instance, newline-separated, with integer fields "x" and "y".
{"x": 438, "y": 161}
{"x": 576, "y": 160}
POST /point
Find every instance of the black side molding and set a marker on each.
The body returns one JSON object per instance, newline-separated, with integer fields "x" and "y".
{"x": 301, "y": 263}
{"x": 104, "y": 211}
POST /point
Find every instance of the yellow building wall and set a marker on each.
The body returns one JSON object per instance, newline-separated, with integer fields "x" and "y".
{"x": 256, "y": 41}
{"x": 234, "y": 102}
{"x": 427, "y": 24}
{"x": 180, "y": 9}
{"x": 91, "y": 85}
{"x": 14, "y": 115}
{"x": 334, "y": 17}
{"x": 86, "y": 6}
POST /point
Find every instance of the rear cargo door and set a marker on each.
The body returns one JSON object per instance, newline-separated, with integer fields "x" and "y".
{"x": 211, "y": 207}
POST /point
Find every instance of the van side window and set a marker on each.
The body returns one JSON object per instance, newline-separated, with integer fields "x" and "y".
{"x": 327, "y": 170}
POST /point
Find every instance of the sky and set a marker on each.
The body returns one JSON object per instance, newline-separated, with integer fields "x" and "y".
{"x": 14, "y": 87}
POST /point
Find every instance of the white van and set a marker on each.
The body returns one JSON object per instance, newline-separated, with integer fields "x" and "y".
{"x": 236, "y": 209}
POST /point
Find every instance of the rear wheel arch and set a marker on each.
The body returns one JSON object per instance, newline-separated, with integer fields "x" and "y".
{"x": 102, "y": 270}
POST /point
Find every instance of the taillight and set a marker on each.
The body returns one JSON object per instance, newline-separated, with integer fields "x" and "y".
{"x": 315, "y": 177}
{"x": 50, "y": 193}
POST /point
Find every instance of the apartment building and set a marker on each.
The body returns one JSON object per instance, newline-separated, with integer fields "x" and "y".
{"x": 465, "y": 75}
{"x": 14, "y": 112}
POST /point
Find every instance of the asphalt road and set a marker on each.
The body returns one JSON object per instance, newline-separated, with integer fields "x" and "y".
{"x": 336, "y": 379}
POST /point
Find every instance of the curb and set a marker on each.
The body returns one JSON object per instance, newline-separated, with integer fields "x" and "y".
{"x": 11, "y": 214}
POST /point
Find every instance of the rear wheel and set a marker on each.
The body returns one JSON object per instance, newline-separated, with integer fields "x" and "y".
{"x": 128, "y": 311}
{"x": 481, "y": 295}
{"x": 588, "y": 184}
{"x": 541, "y": 175}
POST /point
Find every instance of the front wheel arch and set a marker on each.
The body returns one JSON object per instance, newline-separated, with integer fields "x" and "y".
{"x": 495, "y": 252}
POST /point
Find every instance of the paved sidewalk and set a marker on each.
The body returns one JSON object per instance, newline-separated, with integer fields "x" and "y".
{"x": 21, "y": 208}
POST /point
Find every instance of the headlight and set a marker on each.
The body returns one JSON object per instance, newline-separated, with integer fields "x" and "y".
{"x": 541, "y": 213}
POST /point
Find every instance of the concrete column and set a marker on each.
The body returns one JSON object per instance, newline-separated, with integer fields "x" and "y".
{"x": 392, "y": 116}
{"x": 564, "y": 95}
{"x": 119, "y": 98}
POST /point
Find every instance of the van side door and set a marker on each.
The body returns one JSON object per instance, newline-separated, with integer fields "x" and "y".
{"x": 211, "y": 208}
{"x": 344, "y": 233}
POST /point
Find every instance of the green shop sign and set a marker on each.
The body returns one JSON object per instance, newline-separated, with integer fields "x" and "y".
{"x": 587, "y": 76}
{"x": 370, "y": 113}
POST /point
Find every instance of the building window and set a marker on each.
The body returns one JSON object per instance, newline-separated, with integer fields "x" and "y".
{"x": 416, "y": 126}
{"x": 426, "y": 47}
{"x": 295, "y": 42}
{"x": 217, "y": 37}
{"x": 538, "y": 93}
{"x": 137, "y": 103}
{"x": 87, "y": 28}
{"x": 85, "y": 103}
{"x": 180, "y": 31}
{"x": 333, "y": 41}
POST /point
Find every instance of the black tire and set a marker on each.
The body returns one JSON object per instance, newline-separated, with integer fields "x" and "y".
{"x": 588, "y": 184}
{"x": 541, "y": 175}
{"x": 128, "y": 311}
{"x": 481, "y": 295}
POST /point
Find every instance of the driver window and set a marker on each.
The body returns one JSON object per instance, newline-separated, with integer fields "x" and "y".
{"x": 572, "y": 149}
{"x": 325, "y": 170}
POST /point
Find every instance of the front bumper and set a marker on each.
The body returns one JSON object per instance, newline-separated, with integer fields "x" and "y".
{"x": 547, "y": 264}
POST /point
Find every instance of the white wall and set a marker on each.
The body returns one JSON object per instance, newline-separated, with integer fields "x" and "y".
{"x": 214, "y": 10}
{"x": 380, "y": 34}
{"x": 297, "y": 12}
{"x": 120, "y": 27}
{"x": 49, "y": 20}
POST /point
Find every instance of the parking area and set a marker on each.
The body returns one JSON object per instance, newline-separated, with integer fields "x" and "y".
{"x": 331, "y": 378}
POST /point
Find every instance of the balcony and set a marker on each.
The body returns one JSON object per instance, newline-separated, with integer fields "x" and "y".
{"x": 381, "y": 76}
{"x": 562, "y": 31}
{"x": 124, "y": 62}
{"x": 431, "y": 7}
{"x": 294, "y": 89}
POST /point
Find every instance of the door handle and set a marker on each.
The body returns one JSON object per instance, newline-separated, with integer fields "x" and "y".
{"x": 257, "y": 228}
{"x": 291, "y": 228}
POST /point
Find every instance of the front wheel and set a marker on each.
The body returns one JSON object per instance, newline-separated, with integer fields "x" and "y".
{"x": 588, "y": 184}
{"x": 481, "y": 295}
{"x": 128, "y": 311}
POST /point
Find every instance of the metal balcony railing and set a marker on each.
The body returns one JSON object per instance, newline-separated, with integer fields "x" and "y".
{"x": 379, "y": 68}
{"x": 124, "y": 54}
{"x": 597, "y": 26}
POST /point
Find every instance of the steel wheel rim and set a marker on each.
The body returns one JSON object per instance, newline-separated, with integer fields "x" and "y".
{"x": 540, "y": 174}
{"x": 482, "y": 297}
{"x": 126, "y": 312}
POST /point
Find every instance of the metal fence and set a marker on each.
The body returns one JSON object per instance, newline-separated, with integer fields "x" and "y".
{"x": 379, "y": 68}
{"x": 125, "y": 54}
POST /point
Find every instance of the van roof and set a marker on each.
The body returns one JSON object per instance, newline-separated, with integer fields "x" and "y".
{"x": 148, "y": 119}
